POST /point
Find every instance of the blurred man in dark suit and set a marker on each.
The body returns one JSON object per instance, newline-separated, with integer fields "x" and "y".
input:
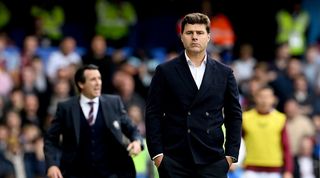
{"x": 86, "y": 137}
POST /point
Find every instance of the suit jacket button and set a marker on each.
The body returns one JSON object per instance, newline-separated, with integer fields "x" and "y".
{"x": 208, "y": 131}
{"x": 189, "y": 130}
{"x": 207, "y": 114}
{"x": 189, "y": 113}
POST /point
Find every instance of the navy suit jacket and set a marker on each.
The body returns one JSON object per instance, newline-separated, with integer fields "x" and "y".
{"x": 67, "y": 124}
{"x": 183, "y": 121}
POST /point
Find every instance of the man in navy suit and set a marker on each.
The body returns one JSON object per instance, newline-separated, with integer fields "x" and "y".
{"x": 191, "y": 97}
{"x": 86, "y": 137}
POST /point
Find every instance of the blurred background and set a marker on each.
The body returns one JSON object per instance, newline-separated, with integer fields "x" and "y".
{"x": 43, "y": 42}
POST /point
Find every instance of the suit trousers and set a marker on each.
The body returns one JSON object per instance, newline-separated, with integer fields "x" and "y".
{"x": 170, "y": 168}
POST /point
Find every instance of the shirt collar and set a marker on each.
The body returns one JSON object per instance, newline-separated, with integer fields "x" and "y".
{"x": 85, "y": 100}
{"x": 190, "y": 62}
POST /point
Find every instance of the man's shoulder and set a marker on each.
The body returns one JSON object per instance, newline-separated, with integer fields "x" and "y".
{"x": 220, "y": 65}
{"x": 170, "y": 62}
{"x": 69, "y": 101}
{"x": 109, "y": 97}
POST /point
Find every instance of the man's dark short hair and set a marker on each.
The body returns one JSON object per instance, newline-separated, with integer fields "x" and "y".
{"x": 79, "y": 76}
{"x": 196, "y": 18}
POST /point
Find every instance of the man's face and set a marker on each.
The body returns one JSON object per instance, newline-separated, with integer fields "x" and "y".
{"x": 195, "y": 38}
{"x": 265, "y": 100}
{"x": 91, "y": 88}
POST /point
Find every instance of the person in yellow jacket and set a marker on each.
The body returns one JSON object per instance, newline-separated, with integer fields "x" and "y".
{"x": 264, "y": 133}
{"x": 4, "y": 16}
{"x": 292, "y": 27}
{"x": 49, "y": 20}
{"x": 114, "y": 20}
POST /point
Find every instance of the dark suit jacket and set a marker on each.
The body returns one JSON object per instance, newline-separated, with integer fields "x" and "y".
{"x": 182, "y": 120}
{"x": 67, "y": 124}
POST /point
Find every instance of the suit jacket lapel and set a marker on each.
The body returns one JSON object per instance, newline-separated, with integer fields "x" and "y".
{"x": 105, "y": 108}
{"x": 76, "y": 110}
{"x": 206, "y": 81}
{"x": 207, "y": 77}
{"x": 185, "y": 74}
{"x": 109, "y": 115}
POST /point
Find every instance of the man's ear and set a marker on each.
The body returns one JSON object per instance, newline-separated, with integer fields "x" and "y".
{"x": 80, "y": 85}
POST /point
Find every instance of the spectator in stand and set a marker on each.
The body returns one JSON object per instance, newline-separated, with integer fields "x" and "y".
{"x": 146, "y": 71}
{"x": 61, "y": 92}
{"x": 15, "y": 101}
{"x": 125, "y": 87}
{"x": 98, "y": 56}
{"x": 305, "y": 163}
{"x": 64, "y": 57}
{"x": 261, "y": 76}
{"x": 14, "y": 123}
{"x": 304, "y": 95}
{"x": 29, "y": 50}
{"x": 6, "y": 166}
{"x": 281, "y": 60}
{"x": 137, "y": 117}
{"x": 32, "y": 144}
{"x": 30, "y": 85}
{"x": 30, "y": 112}
{"x": 115, "y": 21}
{"x": 311, "y": 65}
{"x": 253, "y": 86}
{"x": 6, "y": 81}
{"x": 267, "y": 145}
{"x": 9, "y": 59}
{"x": 132, "y": 66}
{"x": 261, "y": 71}
{"x": 222, "y": 32}
{"x": 28, "y": 80}
{"x": 243, "y": 66}
{"x": 283, "y": 83}
{"x": 292, "y": 24}
{"x": 49, "y": 18}
{"x": 2, "y": 108}
{"x": 42, "y": 85}
{"x": 316, "y": 151}
{"x": 298, "y": 125}
{"x": 14, "y": 153}
{"x": 5, "y": 16}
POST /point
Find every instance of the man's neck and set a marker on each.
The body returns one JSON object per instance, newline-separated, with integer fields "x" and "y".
{"x": 196, "y": 58}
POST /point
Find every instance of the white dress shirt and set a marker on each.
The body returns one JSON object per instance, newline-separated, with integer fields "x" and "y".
{"x": 197, "y": 71}
{"x": 86, "y": 107}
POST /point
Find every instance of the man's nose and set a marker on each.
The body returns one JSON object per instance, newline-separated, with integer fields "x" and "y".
{"x": 194, "y": 37}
